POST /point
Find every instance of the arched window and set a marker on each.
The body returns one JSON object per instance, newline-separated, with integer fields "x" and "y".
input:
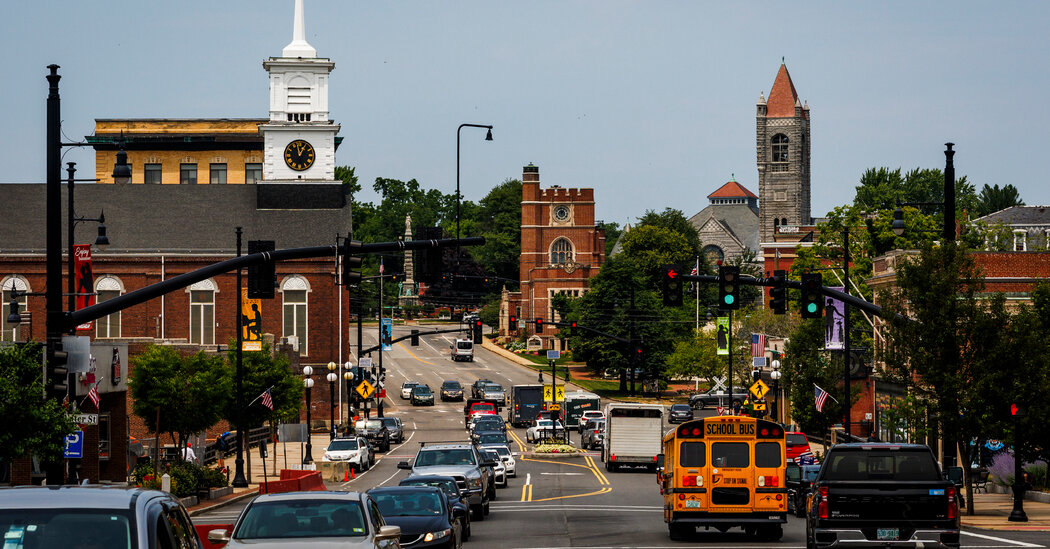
{"x": 13, "y": 332}
{"x": 783, "y": 221}
{"x": 294, "y": 309}
{"x": 202, "y": 312}
{"x": 561, "y": 251}
{"x": 713, "y": 254}
{"x": 107, "y": 288}
{"x": 779, "y": 151}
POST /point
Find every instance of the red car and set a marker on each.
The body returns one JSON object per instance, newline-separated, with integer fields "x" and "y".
{"x": 797, "y": 446}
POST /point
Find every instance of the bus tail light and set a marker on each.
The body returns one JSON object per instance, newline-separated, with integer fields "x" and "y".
{"x": 767, "y": 481}
{"x": 692, "y": 480}
{"x": 822, "y": 505}
{"x": 953, "y": 504}
{"x": 612, "y": 457}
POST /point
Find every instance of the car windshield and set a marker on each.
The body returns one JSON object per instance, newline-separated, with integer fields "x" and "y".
{"x": 345, "y": 444}
{"x": 494, "y": 387}
{"x": 492, "y": 455}
{"x": 449, "y": 486}
{"x": 409, "y": 384}
{"x": 795, "y": 439}
{"x": 302, "y": 518}
{"x": 492, "y": 437}
{"x": 483, "y": 408}
{"x": 421, "y": 390}
{"x": 389, "y": 422}
{"x": 444, "y": 457}
{"x": 401, "y": 504}
{"x": 502, "y": 450}
{"x": 450, "y": 385}
{"x": 369, "y": 424}
{"x": 544, "y": 423}
{"x": 58, "y": 527}
{"x": 680, "y": 407}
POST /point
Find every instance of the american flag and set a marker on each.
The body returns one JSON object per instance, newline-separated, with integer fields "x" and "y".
{"x": 380, "y": 266}
{"x": 821, "y": 398}
{"x": 93, "y": 395}
{"x": 267, "y": 400}
{"x": 758, "y": 345}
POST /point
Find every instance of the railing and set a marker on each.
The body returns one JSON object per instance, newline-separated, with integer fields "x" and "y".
{"x": 212, "y": 451}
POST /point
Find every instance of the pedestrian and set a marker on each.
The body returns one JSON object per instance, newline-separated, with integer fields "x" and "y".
{"x": 188, "y": 454}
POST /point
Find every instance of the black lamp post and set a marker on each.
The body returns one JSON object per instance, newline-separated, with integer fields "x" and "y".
{"x": 775, "y": 376}
{"x": 488, "y": 137}
{"x": 332, "y": 377}
{"x": 308, "y": 382}
{"x": 948, "y": 231}
{"x": 1017, "y": 514}
{"x": 71, "y": 221}
{"x": 348, "y": 375}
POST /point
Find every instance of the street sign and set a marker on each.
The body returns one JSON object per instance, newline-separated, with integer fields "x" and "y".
{"x": 759, "y": 405}
{"x": 365, "y": 389}
{"x": 759, "y": 389}
{"x": 85, "y": 419}
{"x": 553, "y": 407}
{"x": 365, "y": 362}
{"x": 721, "y": 410}
{"x": 74, "y": 445}
{"x": 553, "y": 393}
{"x": 720, "y": 384}
{"x": 553, "y": 355}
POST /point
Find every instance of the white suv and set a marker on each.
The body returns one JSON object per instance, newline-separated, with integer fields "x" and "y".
{"x": 354, "y": 450}
{"x": 588, "y": 416}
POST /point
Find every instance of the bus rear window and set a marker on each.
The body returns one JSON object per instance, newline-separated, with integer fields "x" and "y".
{"x": 767, "y": 454}
{"x": 692, "y": 454}
{"x": 730, "y": 454}
{"x": 636, "y": 412}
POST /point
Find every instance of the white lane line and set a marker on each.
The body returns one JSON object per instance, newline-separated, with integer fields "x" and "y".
{"x": 993, "y": 538}
{"x": 388, "y": 478}
{"x": 347, "y": 483}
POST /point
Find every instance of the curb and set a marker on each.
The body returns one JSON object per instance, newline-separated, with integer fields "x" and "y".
{"x": 233, "y": 499}
{"x": 566, "y": 455}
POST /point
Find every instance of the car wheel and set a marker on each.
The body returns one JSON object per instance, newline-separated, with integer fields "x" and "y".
{"x": 701, "y": 405}
{"x": 477, "y": 512}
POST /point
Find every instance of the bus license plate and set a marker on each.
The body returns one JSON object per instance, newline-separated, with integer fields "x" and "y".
{"x": 692, "y": 504}
{"x": 888, "y": 533}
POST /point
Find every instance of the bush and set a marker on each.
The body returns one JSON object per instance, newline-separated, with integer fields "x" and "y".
{"x": 184, "y": 479}
{"x": 1038, "y": 472}
{"x": 1002, "y": 468}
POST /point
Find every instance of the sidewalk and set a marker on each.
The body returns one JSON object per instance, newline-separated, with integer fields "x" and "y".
{"x": 282, "y": 456}
{"x": 993, "y": 509}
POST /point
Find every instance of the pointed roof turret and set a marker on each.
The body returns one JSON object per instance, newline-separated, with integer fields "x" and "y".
{"x": 782, "y": 98}
{"x": 299, "y": 47}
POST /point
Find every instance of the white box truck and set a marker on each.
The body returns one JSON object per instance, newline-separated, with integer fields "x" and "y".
{"x": 633, "y": 435}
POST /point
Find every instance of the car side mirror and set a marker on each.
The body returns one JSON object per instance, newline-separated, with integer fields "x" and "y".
{"x": 219, "y": 536}
{"x": 388, "y": 532}
{"x": 404, "y": 465}
{"x": 489, "y": 463}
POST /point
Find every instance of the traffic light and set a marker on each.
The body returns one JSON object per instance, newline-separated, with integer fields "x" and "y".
{"x": 430, "y": 259}
{"x": 57, "y": 372}
{"x": 351, "y": 262}
{"x": 672, "y": 285}
{"x": 396, "y": 277}
{"x": 414, "y": 340}
{"x": 539, "y": 325}
{"x": 812, "y": 302}
{"x": 262, "y": 276}
{"x": 512, "y": 322}
{"x": 1016, "y": 410}
{"x": 778, "y": 293}
{"x": 756, "y": 375}
{"x": 477, "y": 331}
{"x": 637, "y": 350}
{"x": 728, "y": 287}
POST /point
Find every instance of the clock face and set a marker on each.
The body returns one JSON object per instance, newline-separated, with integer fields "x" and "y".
{"x": 299, "y": 155}
{"x": 561, "y": 213}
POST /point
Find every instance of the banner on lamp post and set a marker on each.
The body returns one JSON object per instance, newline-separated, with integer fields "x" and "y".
{"x": 834, "y": 323}
{"x": 251, "y": 322}
{"x": 84, "y": 279}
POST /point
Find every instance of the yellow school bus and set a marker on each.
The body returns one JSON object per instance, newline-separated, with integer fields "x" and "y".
{"x": 723, "y": 472}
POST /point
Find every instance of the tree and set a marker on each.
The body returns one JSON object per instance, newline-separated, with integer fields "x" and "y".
{"x": 189, "y": 392}
{"x": 32, "y": 424}
{"x": 993, "y": 199}
{"x": 674, "y": 220}
{"x": 612, "y": 234}
{"x": 350, "y": 184}
{"x": 499, "y": 218}
{"x": 261, "y": 370}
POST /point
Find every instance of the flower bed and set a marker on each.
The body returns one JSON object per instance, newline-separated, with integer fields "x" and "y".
{"x": 556, "y": 449}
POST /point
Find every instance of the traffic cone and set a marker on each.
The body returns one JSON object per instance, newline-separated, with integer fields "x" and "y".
{"x": 353, "y": 473}
{"x": 346, "y": 476}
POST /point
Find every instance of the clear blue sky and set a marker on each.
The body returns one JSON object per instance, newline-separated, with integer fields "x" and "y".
{"x": 650, "y": 103}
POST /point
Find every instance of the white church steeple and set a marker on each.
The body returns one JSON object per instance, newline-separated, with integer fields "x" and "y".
{"x": 299, "y": 47}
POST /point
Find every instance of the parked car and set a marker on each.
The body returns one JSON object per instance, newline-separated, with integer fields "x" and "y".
{"x": 460, "y": 500}
{"x": 507, "y": 457}
{"x": 396, "y": 428}
{"x": 451, "y": 390}
{"x": 353, "y": 450}
{"x": 499, "y": 468}
{"x": 544, "y": 428}
{"x": 422, "y": 396}
{"x": 594, "y": 414}
{"x": 424, "y": 514}
{"x": 56, "y": 516}
{"x": 406, "y": 389}
{"x": 309, "y": 519}
{"x": 593, "y": 436}
{"x": 797, "y": 446}
{"x": 680, "y": 413}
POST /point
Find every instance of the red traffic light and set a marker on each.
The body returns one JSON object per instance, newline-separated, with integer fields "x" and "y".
{"x": 477, "y": 323}
{"x": 572, "y": 324}
{"x": 671, "y": 273}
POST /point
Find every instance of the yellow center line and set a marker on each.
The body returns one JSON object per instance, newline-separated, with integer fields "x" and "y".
{"x": 399, "y": 344}
{"x": 604, "y": 490}
{"x": 526, "y": 490}
{"x": 530, "y": 492}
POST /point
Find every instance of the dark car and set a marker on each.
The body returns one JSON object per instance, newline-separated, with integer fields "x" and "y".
{"x": 377, "y": 434}
{"x": 396, "y": 428}
{"x": 797, "y": 480}
{"x": 680, "y": 413}
{"x": 490, "y": 423}
{"x": 451, "y": 390}
{"x": 424, "y": 513}
{"x": 58, "y": 516}
{"x": 489, "y": 438}
{"x": 422, "y": 396}
{"x": 459, "y": 498}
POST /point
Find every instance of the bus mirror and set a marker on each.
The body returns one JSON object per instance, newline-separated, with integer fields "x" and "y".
{"x": 659, "y": 461}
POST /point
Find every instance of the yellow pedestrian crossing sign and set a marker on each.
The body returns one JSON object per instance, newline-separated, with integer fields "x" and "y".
{"x": 759, "y": 406}
{"x": 759, "y": 389}
{"x": 365, "y": 389}
{"x": 553, "y": 393}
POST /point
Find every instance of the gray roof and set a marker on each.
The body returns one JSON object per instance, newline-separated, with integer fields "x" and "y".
{"x": 740, "y": 219}
{"x": 196, "y": 219}
{"x": 1019, "y": 215}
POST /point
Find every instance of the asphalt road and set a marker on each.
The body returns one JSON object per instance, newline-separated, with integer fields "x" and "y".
{"x": 552, "y": 502}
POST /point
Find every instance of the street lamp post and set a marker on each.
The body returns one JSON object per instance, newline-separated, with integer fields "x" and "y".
{"x": 348, "y": 375}
{"x": 308, "y": 383}
{"x": 948, "y": 230}
{"x": 488, "y": 137}
{"x": 775, "y": 376}
{"x": 332, "y": 377}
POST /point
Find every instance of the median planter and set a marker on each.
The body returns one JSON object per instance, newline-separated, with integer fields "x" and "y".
{"x": 215, "y": 493}
{"x": 554, "y": 455}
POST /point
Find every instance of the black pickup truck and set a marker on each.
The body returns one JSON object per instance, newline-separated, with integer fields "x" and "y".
{"x": 882, "y": 494}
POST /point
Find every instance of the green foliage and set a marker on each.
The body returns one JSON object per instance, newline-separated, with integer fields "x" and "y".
{"x": 882, "y": 188}
{"x": 260, "y": 371}
{"x": 190, "y": 392}
{"x": 994, "y": 199}
{"x": 612, "y": 234}
{"x": 499, "y": 221}
{"x": 32, "y": 424}
{"x": 349, "y": 179}
{"x": 696, "y": 357}
{"x": 675, "y": 221}
{"x": 805, "y": 365}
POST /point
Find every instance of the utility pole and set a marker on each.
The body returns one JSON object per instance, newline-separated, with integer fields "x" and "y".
{"x": 729, "y": 340}
{"x": 382, "y": 340}
{"x": 848, "y": 402}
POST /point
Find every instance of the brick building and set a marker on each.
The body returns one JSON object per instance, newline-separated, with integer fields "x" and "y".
{"x": 562, "y": 247}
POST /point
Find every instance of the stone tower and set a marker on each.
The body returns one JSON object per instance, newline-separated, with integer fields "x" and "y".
{"x": 782, "y": 144}
{"x": 409, "y": 293}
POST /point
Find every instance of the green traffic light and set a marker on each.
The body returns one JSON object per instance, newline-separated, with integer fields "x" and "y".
{"x": 729, "y": 299}
{"x": 812, "y": 307}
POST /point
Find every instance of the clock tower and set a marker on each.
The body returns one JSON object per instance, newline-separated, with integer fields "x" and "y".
{"x": 299, "y": 140}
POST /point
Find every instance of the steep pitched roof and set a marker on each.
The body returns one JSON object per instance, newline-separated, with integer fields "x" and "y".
{"x": 732, "y": 189}
{"x": 782, "y": 98}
